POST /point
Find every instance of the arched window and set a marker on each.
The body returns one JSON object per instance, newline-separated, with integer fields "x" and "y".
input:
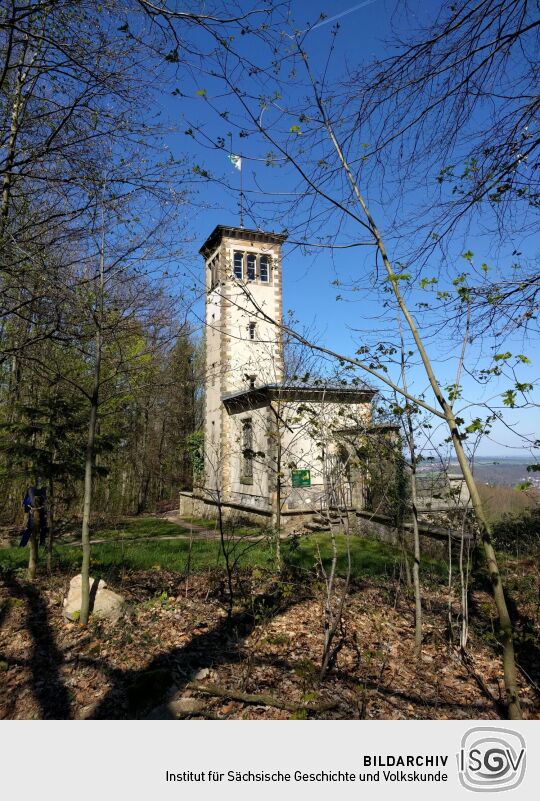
{"x": 251, "y": 262}
{"x": 238, "y": 265}
{"x": 264, "y": 268}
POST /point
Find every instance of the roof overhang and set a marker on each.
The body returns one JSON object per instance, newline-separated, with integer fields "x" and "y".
{"x": 259, "y": 397}
{"x": 370, "y": 429}
{"x": 246, "y": 234}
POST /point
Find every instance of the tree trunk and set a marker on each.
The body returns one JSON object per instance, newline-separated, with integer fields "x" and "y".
{"x": 276, "y": 509}
{"x": 275, "y": 480}
{"x": 50, "y": 535}
{"x": 226, "y": 557}
{"x": 416, "y": 564}
{"x": 409, "y": 433}
{"x": 90, "y": 445}
{"x": 505, "y": 623}
{"x": 87, "y": 502}
{"x": 15, "y": 115}
{"x": 34, "y": 543}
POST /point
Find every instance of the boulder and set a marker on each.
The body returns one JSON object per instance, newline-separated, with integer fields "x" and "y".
{"x": 201, "y": 674}
{"x": 175, "y": 710}
{"x": 76, "y": 583}
{"x": 104, "y": 603}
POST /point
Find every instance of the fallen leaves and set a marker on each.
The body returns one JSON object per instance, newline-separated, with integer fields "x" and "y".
{"x": 172, "y": 652}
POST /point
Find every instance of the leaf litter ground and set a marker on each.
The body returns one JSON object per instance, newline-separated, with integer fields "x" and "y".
{"x": 176, "y": 655}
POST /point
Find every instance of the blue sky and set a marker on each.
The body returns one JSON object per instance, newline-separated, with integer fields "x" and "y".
{"x": 310, "y": 288}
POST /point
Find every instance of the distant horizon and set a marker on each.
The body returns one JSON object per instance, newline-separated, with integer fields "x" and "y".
{"x": 497, "y": 457}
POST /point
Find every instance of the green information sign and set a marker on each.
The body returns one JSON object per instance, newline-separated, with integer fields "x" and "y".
{"x": 301, "y": 478}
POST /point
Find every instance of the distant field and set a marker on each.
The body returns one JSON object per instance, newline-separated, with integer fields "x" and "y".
{"x": 508, "y": 472}
{"x": 501, "y": 500}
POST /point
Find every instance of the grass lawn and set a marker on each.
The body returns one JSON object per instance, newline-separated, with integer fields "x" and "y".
{"x": 142, "y": 527}
{"x": 203, "y": 522}
{"x": 212, "y": 525}
{"x": 369, "y": 557}
{"x": 116, "y": 556}
{"x": 134, "y": 527}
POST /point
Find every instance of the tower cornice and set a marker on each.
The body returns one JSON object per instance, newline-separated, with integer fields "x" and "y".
{"x": 245, "y": 234}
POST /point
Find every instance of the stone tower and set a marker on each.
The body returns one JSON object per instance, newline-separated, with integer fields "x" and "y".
{"x": 243, "y": 349}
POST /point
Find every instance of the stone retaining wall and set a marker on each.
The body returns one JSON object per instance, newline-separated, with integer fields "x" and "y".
{"x": 434, "y": 536}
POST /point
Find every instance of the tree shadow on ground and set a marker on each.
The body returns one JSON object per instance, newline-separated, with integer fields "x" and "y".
{"x": 4, "y": 609}
{"x": 135, "y": 692}
{"x": 526, "y": 643}
{"x": 388, "y": 692}
{"x": 46, "y": 658}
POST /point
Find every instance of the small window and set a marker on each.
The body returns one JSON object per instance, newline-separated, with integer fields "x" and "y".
{"x": 238, "y": 265}
{"x": 251, "y": 261}
{"x": 213, "y": 266}
{"x": 247, "y": 449}
{"x": 264, "y": 268}
{"x": 252, "y": 330}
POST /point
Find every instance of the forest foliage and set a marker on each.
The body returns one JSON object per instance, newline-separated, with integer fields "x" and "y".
{"x": 91, "y": 221}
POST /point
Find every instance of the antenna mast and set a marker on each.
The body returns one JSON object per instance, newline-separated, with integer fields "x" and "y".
{"x": 241, "y": 193}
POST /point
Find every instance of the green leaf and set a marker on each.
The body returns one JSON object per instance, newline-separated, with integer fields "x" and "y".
{"x": 395, "y": 277}
{"x": 476, "y": 425}
{"x": 424, "y": 282}
{"x": 509, "y": 398}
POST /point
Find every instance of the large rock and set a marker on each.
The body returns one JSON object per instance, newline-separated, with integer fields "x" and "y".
{"x": 76, "y": 583}
{"x": 104, "y": 603}
{"x": 175, "y": 710}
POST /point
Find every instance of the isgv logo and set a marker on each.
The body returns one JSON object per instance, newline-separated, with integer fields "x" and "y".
{"x": 491, "y": 759}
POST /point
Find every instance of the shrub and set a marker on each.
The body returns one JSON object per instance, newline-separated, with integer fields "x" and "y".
{"x": 518, "y": 533}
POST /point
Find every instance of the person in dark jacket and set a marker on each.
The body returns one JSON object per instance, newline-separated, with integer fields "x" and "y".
{"x": 34, "y": 503}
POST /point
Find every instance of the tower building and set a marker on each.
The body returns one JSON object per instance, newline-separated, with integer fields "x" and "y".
{"x": 243, "y": 349}
{"x": 269, "y": 447}
{"x": 284, "y": 453}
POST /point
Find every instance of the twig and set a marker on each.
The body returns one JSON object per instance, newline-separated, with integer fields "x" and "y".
{"x": 259, "y": 700}
{"x": 466, "y": 658}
